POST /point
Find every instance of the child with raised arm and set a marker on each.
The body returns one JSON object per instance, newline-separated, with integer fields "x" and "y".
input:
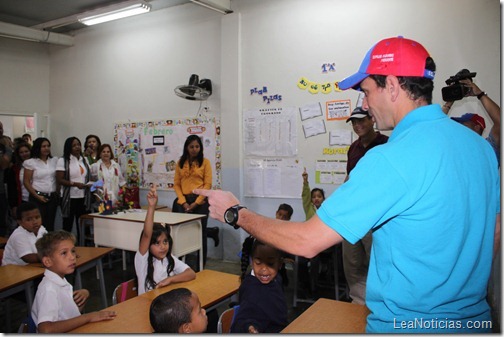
{"x": 20, "y": 248}
{"x": 57, "y": 307}
{"x": 155, "y": 266}
{"x": 263, "y": 308}
{"x": 178, "y": 311}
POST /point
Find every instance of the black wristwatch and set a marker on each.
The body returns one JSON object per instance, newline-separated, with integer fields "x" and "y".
{"x": 231, "y": 215}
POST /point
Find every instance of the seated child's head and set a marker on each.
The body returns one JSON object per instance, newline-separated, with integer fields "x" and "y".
{"x": 161, "y": 242}
{"x": 317, "y": 196}
{"x": 266, "y": 261}
{"x": 28, "y": 216}
{"x": 284, "y": 212}
{"x": 56, "y": 250}
{"x": 178, "y": 311}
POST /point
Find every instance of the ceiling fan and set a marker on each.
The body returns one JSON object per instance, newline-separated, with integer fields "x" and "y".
{"x": 196, "y": 90}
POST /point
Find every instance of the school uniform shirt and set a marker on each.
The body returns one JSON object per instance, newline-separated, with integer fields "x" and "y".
{"x": 54, "y": 300}
{"x": 78, "y": 174}
{"x": 160, "y": 267}
{"x": 261, "y": 305}
{"x": 44, "y": 174}
{"x": 21, "y": 243}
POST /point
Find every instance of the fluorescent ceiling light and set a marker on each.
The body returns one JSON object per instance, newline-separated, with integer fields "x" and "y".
{"x": 221, "y": 6}
{"x": 115, "y": 12}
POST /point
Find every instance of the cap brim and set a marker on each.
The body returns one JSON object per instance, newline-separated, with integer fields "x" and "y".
{"x": 356, "y": 116}
{"x": 460, "y": 120}
{"x": 352, "y": 81}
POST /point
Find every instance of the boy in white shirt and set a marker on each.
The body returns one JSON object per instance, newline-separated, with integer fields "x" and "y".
{"x": 20, "y": 248}
{"x": 57, "y": 307}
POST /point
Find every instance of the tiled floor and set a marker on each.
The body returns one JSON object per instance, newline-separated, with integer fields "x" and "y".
{"x": 15, "y": 308}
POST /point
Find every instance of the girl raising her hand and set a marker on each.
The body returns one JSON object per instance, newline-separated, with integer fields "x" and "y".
{"x": 155, "y": 266}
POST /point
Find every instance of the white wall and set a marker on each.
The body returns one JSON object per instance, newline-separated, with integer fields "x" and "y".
{"x": 128, "y": 69}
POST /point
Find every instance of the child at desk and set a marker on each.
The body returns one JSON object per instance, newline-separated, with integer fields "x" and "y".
{"x": 20, "y": 248}
{"x": 262, "y": 301}
{"x": 155, "y": 266}
{"x": 178, "y": 311}
{"x": 57, "y": 308}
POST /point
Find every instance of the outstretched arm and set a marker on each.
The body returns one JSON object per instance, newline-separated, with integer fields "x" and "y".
{"x": 74, "y": 323}
{"x": 299, "y": 238}
{"x": 152, "y": 199}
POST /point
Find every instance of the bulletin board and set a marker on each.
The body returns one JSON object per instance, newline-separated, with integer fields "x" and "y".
{"x": 148, "y": 151}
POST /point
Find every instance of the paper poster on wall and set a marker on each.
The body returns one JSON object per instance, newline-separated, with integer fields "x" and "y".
{"x": 272, "y": 177}
{"x": 148, "y": 151}
{"x": 314, "y": 127}
{"x": 340, "y": 137}
{"x": 310, "y": 111}
{"x": 330, "y": 171}
{"x": 270, "y": 132}
{"x": 338, "y": 110}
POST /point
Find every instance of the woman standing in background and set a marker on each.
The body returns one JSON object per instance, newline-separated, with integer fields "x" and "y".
{"x": 73, "y": 175}
{"x": 107, "y": 170}
{"x": 40, "y": 181}
{"x": 193, "y": 170}
{"x": 91, "y": 147}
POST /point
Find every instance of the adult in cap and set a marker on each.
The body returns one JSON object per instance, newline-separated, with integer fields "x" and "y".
{"x": 356, "y": 255}
{"x": 430, "y": 195}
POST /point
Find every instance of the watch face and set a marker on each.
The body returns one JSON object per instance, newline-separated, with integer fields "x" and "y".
{"x": 229, "y": 216}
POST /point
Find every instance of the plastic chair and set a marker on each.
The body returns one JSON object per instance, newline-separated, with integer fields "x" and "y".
{"x": 226, "y": 319}
{"x": 125, "y": 291}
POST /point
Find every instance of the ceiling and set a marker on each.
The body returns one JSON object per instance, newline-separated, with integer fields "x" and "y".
{"x": 35, "y": 13}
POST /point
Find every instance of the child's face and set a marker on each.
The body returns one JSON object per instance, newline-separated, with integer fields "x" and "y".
{"x": 265, "y": 263}
{"x": 62, "y": 260}
{"x": 31, "y": 221}
{"x": 282, "y": 215}
{"x": 317, "y": 198}
{"x": 199, "y": 319}
{"x": 160, "y": 248}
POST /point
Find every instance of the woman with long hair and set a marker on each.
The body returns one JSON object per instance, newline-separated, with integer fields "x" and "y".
{"x": 91, "y": 147}
{"x": 40, "y": 181}
{"x": 16, "y": 191}
{"x": 74, "y": 175}
{"x": 193, "y": 170}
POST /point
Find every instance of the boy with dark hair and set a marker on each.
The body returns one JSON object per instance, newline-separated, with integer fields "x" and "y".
{"x": 20, "y": 248}
{"x": 178, "y": 311}
{"x": 57, "y": 307}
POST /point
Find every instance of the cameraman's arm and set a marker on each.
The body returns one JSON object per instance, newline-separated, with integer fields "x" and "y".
{"x": 491, "y": 108}
{"x": 447, "y": 106}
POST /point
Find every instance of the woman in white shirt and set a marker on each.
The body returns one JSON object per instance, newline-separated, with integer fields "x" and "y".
{"x": 73, "y": 175}
{"x": 40, "y": 180}
{"x": 107, "y": 170}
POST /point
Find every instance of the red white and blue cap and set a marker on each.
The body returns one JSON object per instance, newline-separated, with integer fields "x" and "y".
{"x": 393, "y": 56}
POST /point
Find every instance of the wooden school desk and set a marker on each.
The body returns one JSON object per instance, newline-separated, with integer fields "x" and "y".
{"x": 133, "y": 315}
{"x": 330, "y": 316}
{"x": 14, "y": 278}
{"x": 122, "y": 231}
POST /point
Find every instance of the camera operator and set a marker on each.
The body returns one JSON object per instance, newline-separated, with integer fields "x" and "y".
{"x": 491, "y": 108}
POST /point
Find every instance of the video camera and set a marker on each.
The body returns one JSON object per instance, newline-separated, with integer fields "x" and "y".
{"x": 456, "y": 90}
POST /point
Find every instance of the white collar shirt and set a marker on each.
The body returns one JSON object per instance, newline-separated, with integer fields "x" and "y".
{"x": 44, "y": 174}
{"x": 78, "y": 174}
{"x": 21, "y": 242}
{"x": 54, "y": 300}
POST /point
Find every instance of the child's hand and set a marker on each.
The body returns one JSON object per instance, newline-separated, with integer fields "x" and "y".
{"x": 80, "y": 297}
{"x": 152, "y": 196}
{"x": 101, "y": 316}
{"x": 252, "y": 329}
{"x": 164, "y": 283}
{"x": 305, "y": 175}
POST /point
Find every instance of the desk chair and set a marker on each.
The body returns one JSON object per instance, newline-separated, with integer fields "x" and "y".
{"x": 125, "y": 291}
{"x": 226, "y": 319}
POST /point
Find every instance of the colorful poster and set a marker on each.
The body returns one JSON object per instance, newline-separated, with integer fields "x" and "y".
{"x": 148, "y": 151}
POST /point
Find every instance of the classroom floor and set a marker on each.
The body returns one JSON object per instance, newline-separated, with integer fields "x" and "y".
{"x": 13, "y": 310}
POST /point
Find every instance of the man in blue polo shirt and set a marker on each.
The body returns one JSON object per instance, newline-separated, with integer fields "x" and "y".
{"x": 431, "y": 197}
